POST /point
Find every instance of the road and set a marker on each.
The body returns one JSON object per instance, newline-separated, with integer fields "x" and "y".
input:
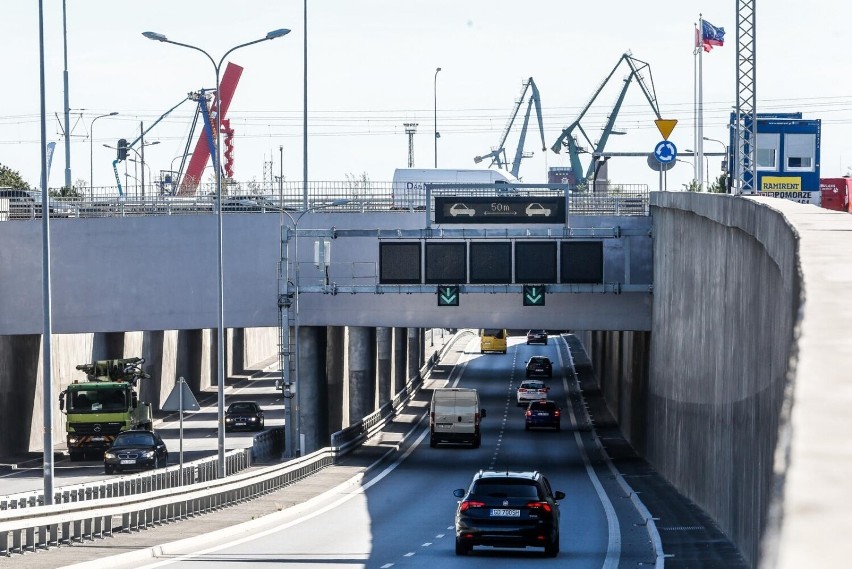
{"x": 200, "y": 436}
{"x": 401, "y": 515}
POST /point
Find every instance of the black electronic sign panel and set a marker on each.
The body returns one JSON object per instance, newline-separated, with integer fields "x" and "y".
{"x": 446, "y": 263}
{"x": 399, "y": 263}
{"x": 499, "y": 209}
{"x": 491, "y": 262}
{"x": 535, "y": 262}
{"x": 582, "y": 262}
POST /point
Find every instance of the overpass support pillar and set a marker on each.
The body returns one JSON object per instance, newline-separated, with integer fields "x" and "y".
{"x": 313, "y": 412}
{"x": 22, "y": 404}
{"x": 189, "y": 358}
{"x": 362, "y": 377}
{"x": 335, "y": 351}
{"x": 152, "y": 351}
{"x": 400, "y": 365}
{"x": 384, "y": 350}
{"x": 414, "y": 353}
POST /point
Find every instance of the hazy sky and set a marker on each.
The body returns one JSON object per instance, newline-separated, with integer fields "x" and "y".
{"x": 371, "y": 66}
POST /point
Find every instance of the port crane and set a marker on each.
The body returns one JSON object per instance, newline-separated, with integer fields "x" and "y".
{"x": 498, "y": 153}
{"x": 569, "y": 137}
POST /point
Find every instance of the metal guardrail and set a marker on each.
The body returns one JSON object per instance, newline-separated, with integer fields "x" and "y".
{"x": 134, "y": 502}
{"x": 271, "y": 198}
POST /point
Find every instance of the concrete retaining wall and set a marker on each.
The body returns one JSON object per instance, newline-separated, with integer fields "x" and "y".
{"x": 748, "y": 388}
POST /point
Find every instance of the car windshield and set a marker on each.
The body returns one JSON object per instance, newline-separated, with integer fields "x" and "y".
{"x": 539, "y": 360}
{"x": 506, "y": 488}
{"x": 242, "y": 408}
{"x": 97, "y": 400}
{"x": 532, "y": 385}
{"x": 134, "y": 439}
{"x": 543, "y": 406}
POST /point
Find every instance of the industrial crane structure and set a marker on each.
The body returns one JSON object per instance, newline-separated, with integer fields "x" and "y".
{"x": 498, "y": 153}
{"x": 569, "y": 137}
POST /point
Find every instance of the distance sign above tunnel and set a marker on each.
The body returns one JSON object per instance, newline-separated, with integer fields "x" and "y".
{"x": 480, "y": 209}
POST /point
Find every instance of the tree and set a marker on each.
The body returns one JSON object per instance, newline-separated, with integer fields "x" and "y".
{"x": 720, "y": 186}
{"x": 12, "y": 179}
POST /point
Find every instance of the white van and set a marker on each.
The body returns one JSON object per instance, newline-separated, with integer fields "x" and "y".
{"x": 409, "y": 190}
{"x": 454, "y": 416}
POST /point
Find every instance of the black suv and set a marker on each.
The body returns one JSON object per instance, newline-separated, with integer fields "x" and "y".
{"x": 539, "y": 365}
{"x": 537, "y": 337}
{"x": 508, "y": 509}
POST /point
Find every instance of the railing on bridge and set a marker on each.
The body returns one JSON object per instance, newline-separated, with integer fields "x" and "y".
{"x": 612, "y": 199}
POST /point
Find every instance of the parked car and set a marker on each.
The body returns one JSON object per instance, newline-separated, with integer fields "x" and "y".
{"x": 245, "y": 415}
{"x": 537, "y": 337}
{"x": 136, "y": 450}
{"x": 539, "y": 365}
{"x": 531, "y": 390}
{"x": 543, "y": 413}
{"x": 508, "y": 509}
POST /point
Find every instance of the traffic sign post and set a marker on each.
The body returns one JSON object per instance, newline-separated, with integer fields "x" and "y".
{"x": 181, "y": 399}
{"x": 534, "y": 295}
{"x": 448, "y": 295}
{"x": 665, "y": 151}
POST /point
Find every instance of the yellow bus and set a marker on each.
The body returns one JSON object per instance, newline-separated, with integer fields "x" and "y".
{"x": 493, "y": 340}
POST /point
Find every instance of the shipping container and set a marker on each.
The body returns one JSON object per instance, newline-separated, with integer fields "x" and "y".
{"x": 834, "y": 193}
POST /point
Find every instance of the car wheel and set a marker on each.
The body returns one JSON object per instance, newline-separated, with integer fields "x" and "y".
{"x": 477, "y": 441}
{"x": 462, "y": 548}
{"x": 108, "y": 469}
{"x": 75, "y": 455}
{"x": 552, "y": 548}
{"x": 433, "y": 442}
{"x": 545, "y": 342}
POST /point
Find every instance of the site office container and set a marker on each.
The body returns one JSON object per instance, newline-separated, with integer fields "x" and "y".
{"x": 834, "y": 193}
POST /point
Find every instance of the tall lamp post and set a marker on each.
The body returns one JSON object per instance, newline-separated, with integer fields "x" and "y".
{"x": 435, "y": 93}
{"x": 92, "y": 153}
{"x": 294, "y": 422}
{"x": 220, "y": 316}
{"x": 725, "y": 146}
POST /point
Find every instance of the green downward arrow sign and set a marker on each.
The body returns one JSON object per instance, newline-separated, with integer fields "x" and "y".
{"x": 448, "y": 296}
{"x": 533, "y": 296}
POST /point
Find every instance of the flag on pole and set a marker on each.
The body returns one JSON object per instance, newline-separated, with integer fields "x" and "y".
{"x": 51, "y": 146}
{"x": 710, "y": 36}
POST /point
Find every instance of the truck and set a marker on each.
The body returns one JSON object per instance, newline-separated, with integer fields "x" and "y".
{"x": 103, "y": 405}
{"x": 409, "y": 184}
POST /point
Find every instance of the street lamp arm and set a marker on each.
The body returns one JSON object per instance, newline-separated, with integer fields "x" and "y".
{"x": 270, "y": 36}
{"x": 160, "y": 37}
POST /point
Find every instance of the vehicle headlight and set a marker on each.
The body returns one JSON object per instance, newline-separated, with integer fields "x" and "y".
{"x": 73, "y": 440}
{"x": 109, "y": 455}
{"x": 229, "y": 419}
{"x": 253, "y": 419}
{"x": 148, "y": 454}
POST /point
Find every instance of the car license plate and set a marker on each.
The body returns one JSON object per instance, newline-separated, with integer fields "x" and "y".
{"x": 504, "y": 513}
{"x": 128, "y": 461}
{"x": 97, "y": 438}
{"x": 241, "y": 424}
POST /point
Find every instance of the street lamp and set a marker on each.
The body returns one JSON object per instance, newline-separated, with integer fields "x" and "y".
{"x": 92, "y": 153}
{"x": 706, "y": 164}
{"x": 725, "y": 146}
{"x": 220, "y": 316}
{"x": 294, "y": 425}
{"x": 435, "y": 92}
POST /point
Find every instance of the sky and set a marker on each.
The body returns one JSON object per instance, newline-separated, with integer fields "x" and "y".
{"x": 371, "y": 67}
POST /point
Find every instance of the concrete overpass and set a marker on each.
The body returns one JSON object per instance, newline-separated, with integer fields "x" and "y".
{"x": 734, "y": 392}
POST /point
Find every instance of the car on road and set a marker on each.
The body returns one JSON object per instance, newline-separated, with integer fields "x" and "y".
{"x": 136, "y": 450}
{"x": 531, "y": 390}
{"x": 537, "y": 337}
{"x": 542, "y": 414}
{"x": 244, "y": 415}
{"x": 508, "y": 509}
{"x": 539, "y": 365}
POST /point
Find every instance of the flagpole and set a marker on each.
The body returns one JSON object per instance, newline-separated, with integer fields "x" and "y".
{"x": 695, "y": 99}
{"x": 699, "y": 146}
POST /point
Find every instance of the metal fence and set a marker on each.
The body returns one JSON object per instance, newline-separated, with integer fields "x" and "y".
{"x": 270, "y": 198}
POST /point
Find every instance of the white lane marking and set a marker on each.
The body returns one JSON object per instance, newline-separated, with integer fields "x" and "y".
{"x": 613, "y": 548}
{"x": 427, "y": 544}
{"x": 386, "y": 566}
{"x": 409, "y": 554}
{"x": 439, "y": 536}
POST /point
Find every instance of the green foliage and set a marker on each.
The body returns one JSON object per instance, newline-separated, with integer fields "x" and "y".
{"x": 11, "y": 179}
{"x": 720, "y": 186}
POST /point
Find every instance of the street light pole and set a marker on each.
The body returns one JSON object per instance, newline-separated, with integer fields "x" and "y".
{"x": 92, "y": 153}
{"x": 220, "y": 315}
{"x": 435, "y": 93}
{"x": 67, "y": 108}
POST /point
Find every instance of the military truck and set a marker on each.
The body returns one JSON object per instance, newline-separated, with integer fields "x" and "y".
{"x": 97, "y": 409}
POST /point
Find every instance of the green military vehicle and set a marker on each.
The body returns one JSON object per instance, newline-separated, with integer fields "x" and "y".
{"x": 107, "y": 403}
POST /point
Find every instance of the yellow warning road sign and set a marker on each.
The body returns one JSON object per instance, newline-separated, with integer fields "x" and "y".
{"x": 665, "y": 126}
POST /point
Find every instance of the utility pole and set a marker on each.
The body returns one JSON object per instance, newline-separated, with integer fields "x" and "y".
{"x": 410, "y": 129}
{"x": 67, "y": 108}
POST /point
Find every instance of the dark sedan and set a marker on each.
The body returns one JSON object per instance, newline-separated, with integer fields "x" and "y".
{"x": 537, "y": 337}
{"x": 136, "y": 450}
{"x": 245, "y": 415}
{"x": 508, "y": 509}
{"x": 539, "y": 365}
{"x": 543, "y": 414}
